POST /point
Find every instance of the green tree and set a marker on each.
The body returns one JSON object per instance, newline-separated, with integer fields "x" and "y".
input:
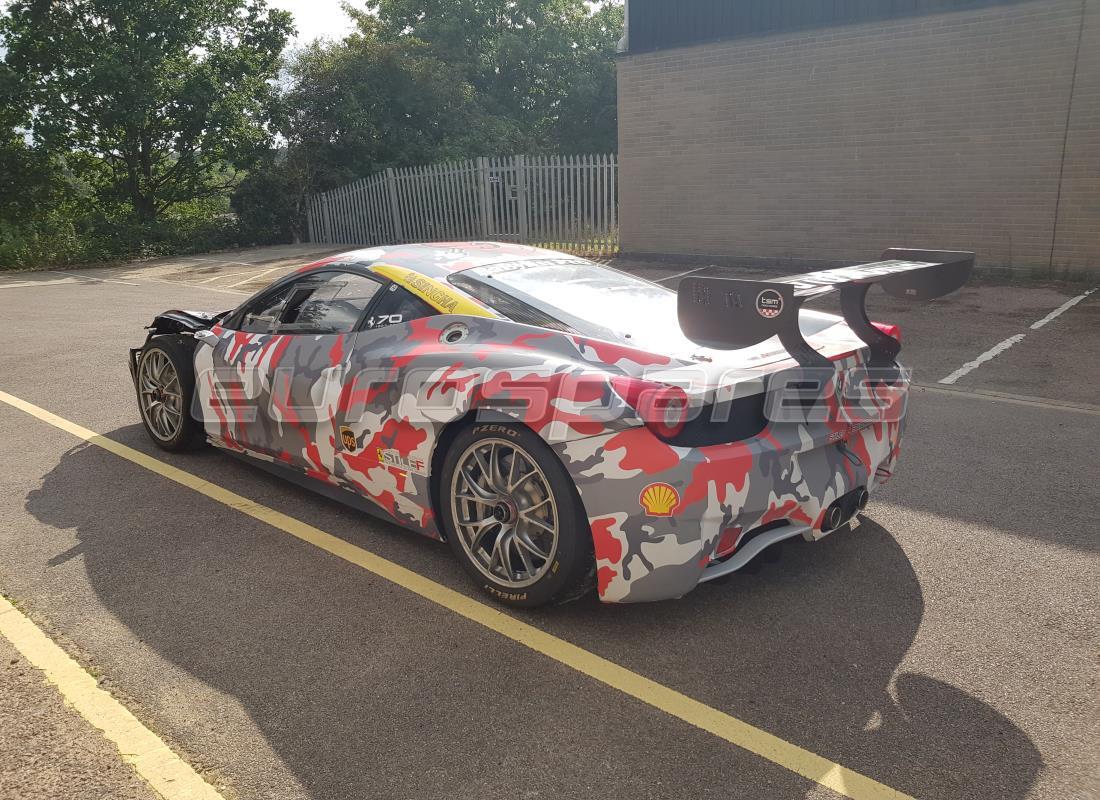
{"x": 430, "y": 80}
{"x": 29, "y": 179}
{"x": 165, "y": 93}
{"x": 542, "y": 68}
{"x": 366, "y": 103}
{"x": 349, "y": 109}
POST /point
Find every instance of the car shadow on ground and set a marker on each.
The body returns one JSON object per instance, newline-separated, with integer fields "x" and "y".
{"x": 807, "y": 645}
{"x": 807, "y": 648}
{"x": 947, "y": 449}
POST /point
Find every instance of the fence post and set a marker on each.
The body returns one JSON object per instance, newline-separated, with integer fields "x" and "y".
{"x": 520, "y": 165}
{"x": 614, "y": 176}
{"x": 395, "y": 210}
{"x": 485, "y": 211}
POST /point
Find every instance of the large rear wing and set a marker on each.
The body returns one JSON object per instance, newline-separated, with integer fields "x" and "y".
{"x": 731, "y": 313}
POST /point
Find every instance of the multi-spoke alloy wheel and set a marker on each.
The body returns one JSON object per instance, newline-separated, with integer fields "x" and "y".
{"x": 512, "y": 515}
{"x": 505, "y": 512}
{"x": 161, "y": 395}
{"x": 165, "y": 383}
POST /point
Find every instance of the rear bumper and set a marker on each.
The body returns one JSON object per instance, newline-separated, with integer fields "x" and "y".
{"x": 665, "y": 518}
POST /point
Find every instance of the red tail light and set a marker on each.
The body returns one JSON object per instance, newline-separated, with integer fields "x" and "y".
{"x": 663, "y": 408}
{"x": 893, "y": 331}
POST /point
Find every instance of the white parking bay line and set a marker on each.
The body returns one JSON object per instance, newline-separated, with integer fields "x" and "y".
{"x": 679, "y": 274}
{"x": 25, "y": 284}
{"x": 217, "y": 278}
{"x": 214, "y": 261}
{"x": 1014, "y": 399}
{"x": 251, "y": 278}
{"x": 988, "y": 355}
{"x": 193, "y": 285}
{"x": 1066, "y": 306}
{"x": 1000, "y": 347}
{"x": 91, "y": 278}
{"x": 68, "y": 279}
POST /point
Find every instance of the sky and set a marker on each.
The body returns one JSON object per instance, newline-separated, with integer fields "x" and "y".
{"x": 315, "y": 18}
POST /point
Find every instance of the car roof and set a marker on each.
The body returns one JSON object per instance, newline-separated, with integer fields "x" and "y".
{"x": 439, "y": 259}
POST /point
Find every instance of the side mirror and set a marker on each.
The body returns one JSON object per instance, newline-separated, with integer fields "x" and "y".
{"x": 207, "y": 337}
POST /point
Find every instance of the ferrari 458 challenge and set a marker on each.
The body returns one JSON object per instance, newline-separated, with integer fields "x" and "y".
{"x": 561, "y": 424}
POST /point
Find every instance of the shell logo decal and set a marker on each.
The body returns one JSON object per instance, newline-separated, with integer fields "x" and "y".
{"x": 659, "y": 499}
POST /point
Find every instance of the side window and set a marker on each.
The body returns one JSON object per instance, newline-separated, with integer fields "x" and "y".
{"x": 511, "y": 307}
{"x": 326, "y": 303}
{"x": 264, "y": 313}
{"x": 397, "y": 305}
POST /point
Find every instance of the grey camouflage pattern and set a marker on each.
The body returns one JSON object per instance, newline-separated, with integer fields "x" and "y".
{"x": 298, "y": 400}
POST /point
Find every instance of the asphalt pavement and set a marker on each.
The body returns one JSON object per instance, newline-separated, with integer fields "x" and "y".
{"x": 946, "y": 648}
{"x": 47, "y": 750}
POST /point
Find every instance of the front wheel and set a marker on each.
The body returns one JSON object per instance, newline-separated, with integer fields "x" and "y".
{"x": 165, "y": 386}
{"x": 513, "y": 516}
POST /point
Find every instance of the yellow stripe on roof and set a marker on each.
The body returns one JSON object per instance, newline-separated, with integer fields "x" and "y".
{"x": 440, "y": 296}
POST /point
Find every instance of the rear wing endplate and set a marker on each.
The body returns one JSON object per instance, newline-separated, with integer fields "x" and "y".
{"x": 731, "y": 313}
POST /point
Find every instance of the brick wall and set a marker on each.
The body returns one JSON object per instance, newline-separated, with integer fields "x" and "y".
{"x": 943, "y": 131}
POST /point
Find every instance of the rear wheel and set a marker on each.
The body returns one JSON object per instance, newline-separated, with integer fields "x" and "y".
{"x": 165, "y": 386}
{"x": 513, "y": 517}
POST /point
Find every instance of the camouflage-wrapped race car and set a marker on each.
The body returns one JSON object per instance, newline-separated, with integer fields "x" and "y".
{"x": 559, "y": 423}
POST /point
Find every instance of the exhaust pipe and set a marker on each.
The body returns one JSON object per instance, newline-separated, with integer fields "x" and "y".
{"x": 844, "y": 508}
{"x": 834, "y": 517}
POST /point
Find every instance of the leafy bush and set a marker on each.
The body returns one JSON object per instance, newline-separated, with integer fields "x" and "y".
{"x": 269, "y": 206}
{"x": 59, "y": 240}
{"x": 45, "y": 243}
{"x": 124, "y": 139}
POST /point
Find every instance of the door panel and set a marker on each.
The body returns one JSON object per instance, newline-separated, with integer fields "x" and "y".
{"x": 385, "y": 457}
{"x": 274, "y": 390}
{"x": 274, "y": 395}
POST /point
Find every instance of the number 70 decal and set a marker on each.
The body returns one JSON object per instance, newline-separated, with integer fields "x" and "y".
{"x": 381, "y": 320}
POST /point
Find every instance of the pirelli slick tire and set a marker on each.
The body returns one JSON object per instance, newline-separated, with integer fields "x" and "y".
{"x": 513, "y": 517}
{"x": 165, "y": 384}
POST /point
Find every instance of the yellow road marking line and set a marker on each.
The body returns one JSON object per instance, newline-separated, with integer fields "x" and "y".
{"x": 779, "y": 751}
{"x": 168, "y": 774}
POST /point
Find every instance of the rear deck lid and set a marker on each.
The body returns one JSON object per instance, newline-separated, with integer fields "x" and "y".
{"x": 596, "y": 301}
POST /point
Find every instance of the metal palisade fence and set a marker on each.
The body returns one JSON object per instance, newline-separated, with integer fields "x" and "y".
{"x": 561, "y": 202}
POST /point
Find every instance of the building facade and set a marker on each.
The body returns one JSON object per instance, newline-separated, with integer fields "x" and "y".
{"x": 812, "y": 132}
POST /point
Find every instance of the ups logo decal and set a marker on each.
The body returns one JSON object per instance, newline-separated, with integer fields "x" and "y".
{"x": 347, "y": 438}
